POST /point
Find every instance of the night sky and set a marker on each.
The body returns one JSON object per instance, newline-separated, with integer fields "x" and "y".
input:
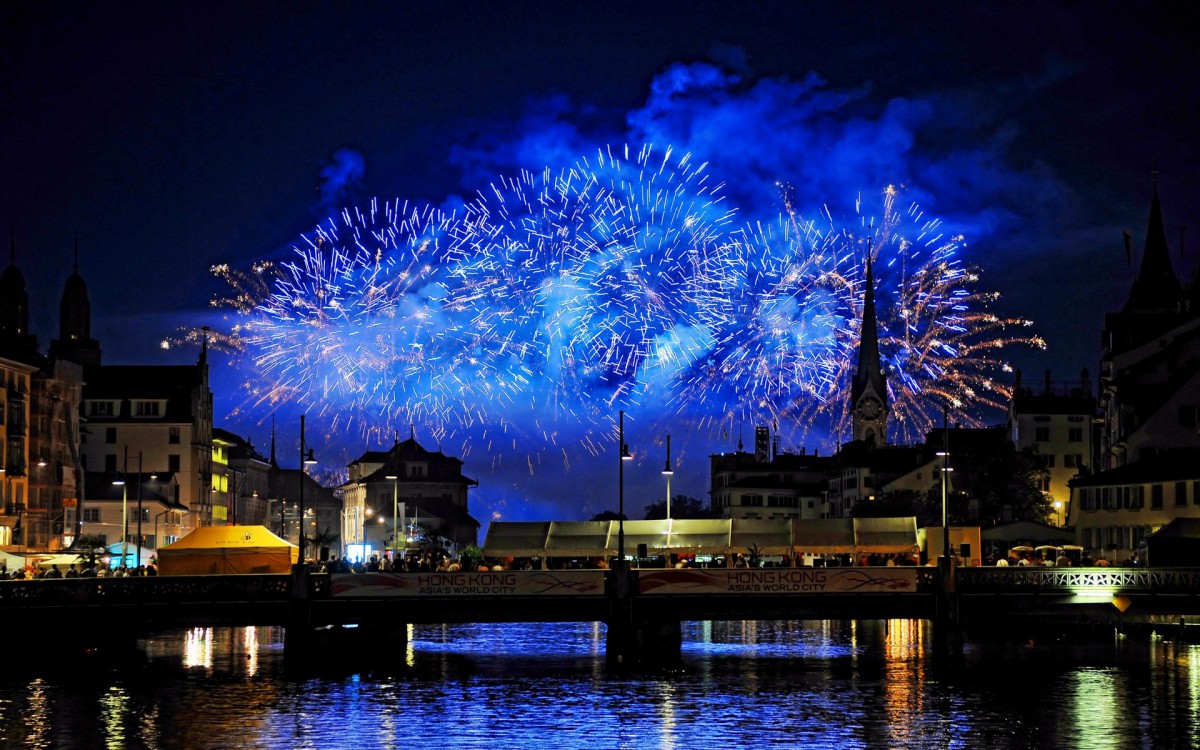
{"x": 169, "y": 137}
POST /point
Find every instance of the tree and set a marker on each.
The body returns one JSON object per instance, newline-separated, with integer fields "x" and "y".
{"x": 85, "y": 546}
{"x": 682, "y": 506}
{"x": 894, "y": 505}
{"x": 607, "y": 515}
{"x": 322, "y": 540}
{"x": 997, "y": 485}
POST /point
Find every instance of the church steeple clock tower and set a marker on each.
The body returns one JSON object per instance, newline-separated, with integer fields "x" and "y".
{"x": 868, "y": 390}
{"x": 75, "y": 342}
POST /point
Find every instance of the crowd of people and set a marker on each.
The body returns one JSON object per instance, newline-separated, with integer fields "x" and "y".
{"x": 1026, "y": 559}
{"x": 98, "y": 569}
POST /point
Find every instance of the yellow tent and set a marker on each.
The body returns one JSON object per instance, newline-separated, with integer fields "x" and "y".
{"x": 221, "y": 550}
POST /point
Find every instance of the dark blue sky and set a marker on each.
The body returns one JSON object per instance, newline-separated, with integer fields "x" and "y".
{"x": 170, "y": 137}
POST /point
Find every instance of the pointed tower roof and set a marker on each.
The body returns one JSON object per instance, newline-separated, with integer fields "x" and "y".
{"x": 1157, "y": 288}
{"x": 14, "y": 298}
{"x": 869, "y": 371}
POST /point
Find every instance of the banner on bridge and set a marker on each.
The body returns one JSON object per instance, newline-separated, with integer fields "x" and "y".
{"x": 779, "y": 581}
{"x": 498, "y": 583}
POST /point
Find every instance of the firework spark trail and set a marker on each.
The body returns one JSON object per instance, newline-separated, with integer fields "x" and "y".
{"x": 618, "y": 281}
{"x": 357, "y": 324}
{"x": 940, "y": 344}
{"x": 599, "y": 270}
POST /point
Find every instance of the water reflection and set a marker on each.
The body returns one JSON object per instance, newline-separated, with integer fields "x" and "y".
{"x": 769, "y": 684}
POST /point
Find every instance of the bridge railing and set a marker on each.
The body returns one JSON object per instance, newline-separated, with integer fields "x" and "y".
{"x": 160, "y": 589}
{"x": 1074, "y": 580}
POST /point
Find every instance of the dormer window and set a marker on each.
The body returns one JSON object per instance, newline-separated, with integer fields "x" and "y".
{"x": 147, "y": 408}
{"x": 102, "y": 408}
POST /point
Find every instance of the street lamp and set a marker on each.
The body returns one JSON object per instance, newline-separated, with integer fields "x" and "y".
{"x": 395, "y": 511}
{"x": 141, "y": 481}
{"x": 945, "y": 456}
{"x": 120, "y": 482}
{"x": 366, "y": 512}
{"x": 667, "y": 472}
{"x": 157, "y": 541}
{"x": 306, "y": 459}
{"x": 625, "y": 456}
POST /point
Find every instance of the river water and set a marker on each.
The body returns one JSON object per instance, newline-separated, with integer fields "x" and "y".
{"x": 755, "y": 685}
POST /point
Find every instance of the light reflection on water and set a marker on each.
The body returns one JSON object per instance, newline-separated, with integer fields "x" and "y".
{"x": 829, "y": 684}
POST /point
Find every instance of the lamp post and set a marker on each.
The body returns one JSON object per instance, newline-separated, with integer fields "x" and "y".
{"x": 395, "y": 511}
{"x": 141, "y": 481}
{"x": 363, "y": 539}
{"x": 344, "y": 527}
{"x": 945, "y": 455}
{"x": 157, "y": 541}
{"x": 124, "y": 507}
{"x": 667, "y": 472}
{"x": 306, "y": 459}
{"x": 625, "y": 456}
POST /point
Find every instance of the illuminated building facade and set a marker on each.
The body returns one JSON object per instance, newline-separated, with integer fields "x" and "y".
{"x": 430, "y": 486}
{"x": 768, "y": 483}
{"x": 1057, "y": 422}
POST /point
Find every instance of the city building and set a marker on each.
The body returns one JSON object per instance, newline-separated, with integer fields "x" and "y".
{"x": 768, "y": 483}
{"x": 154, "y": 418}
{"x": 1149, "y": 403}
{"x": 408, "y": 488}
{"x": 137, "y": 510}
{"x": 39, "y": 430}
{"x": 242, "y": 476}
{"x": 287, "y": 491}
{"x": 1057, "y": 422}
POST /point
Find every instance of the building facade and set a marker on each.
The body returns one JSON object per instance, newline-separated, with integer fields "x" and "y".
{"x": 408, "y": 496}
{"x": 1149, "y": 404}
{"x": 149, "y": 418}
{"x": 1058, "y": 423}
{"x": 768, "y": 483}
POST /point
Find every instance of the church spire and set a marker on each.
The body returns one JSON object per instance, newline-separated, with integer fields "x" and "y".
{"x": 75, "y": 342}
{"x": 14, "y": 302}
{"x": 868, "y": 390}
{"x": 1157, "y": 288}
{"x": 273, "y": 461}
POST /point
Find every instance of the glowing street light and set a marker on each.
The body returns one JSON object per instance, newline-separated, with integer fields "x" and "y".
{"x": 120, "y": 482}
{"x": 306, "y": 460}
{"x": 625, "y": 456}
{"x": 944, "y": 453}
{"x": 667, "y": 472}
{"x": 395, "y": 508}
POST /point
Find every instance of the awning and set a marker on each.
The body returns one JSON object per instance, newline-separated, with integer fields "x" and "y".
{"x": 578, "y": 539}
{"x": 824, "y": 536}
{"x": 653, "y": 534}
{"x": 768, "y": 537}
{"x": 885, "y": 535}
{"x": 63, "y": 561}
{"x": 516, "y": 539}
{"x": 695, "y": 535}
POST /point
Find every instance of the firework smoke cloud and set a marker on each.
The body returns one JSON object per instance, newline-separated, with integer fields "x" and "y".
{"x": 706, "y": 267}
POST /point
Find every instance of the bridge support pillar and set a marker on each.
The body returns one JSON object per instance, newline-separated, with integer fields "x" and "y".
{"x": 298, "y": 637}
{"x": 632, "y": 640}
{"x": 947, "y": 628}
